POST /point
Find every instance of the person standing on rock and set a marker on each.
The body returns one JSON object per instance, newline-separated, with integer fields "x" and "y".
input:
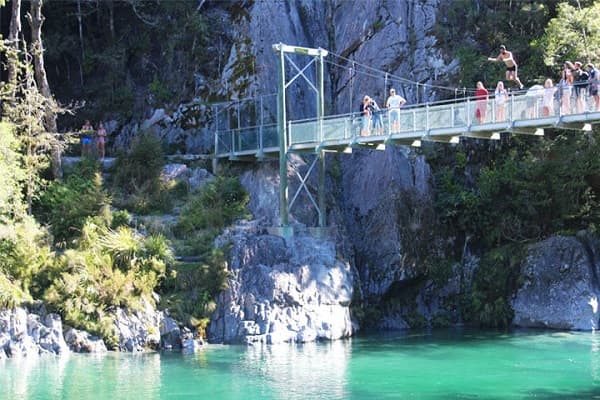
{"x": 511, "y": 65}
{"x": 87, "y": 130}
{"x": 100, "y": 139}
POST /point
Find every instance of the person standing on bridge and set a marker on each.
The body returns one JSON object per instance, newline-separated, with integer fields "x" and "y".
{"x": 548, "y": 100}
{"x": 580, "y": 77}
{"x": 501, "y": 98}
{"x": 393, "y": 104}
{"x": 481, "y": 97}
{"x": 377, "y": 118}
{"x": 366, "y": 115}
{"x": 565, "y": 88}
{"x": 594, "y": 83}
{"x": 511, "y": 65}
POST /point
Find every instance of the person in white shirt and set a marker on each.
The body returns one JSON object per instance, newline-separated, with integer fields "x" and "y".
{"x": 501, "y": 98}
{"x": 393, "y": 104}
{"x": 549, "y": 91}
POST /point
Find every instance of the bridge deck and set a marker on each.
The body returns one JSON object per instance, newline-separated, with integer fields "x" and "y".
{"x": 443, "y": 122}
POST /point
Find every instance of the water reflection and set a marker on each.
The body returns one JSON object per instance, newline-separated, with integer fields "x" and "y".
{"x": 292, "y": 371}
{"x": 77, "y": 376}
{"x": 595, "y": 356}
{"x": 416, "y": 366}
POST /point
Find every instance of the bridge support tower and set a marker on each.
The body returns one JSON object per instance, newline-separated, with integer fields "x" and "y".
{"x": 316, "y": 57}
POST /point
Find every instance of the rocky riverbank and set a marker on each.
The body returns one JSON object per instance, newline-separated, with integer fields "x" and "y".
{"x": 31, "y": 331}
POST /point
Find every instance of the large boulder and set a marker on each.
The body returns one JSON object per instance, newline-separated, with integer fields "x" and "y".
{"x": 560, "y": 288}
{"x": 282, "y": 292}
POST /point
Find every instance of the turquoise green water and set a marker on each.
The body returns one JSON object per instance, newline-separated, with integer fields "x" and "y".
{"x": 442, "y": 365}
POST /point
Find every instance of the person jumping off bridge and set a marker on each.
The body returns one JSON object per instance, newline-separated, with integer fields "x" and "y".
{"x": 511, "y": 65}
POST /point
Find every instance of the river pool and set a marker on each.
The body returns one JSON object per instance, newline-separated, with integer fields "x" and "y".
{"x": 449, "y": 364}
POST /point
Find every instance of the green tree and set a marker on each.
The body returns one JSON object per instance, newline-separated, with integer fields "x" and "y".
{"x": 573, "y": 35}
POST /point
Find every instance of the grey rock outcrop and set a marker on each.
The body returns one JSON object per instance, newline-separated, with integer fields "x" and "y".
{"x": 391, "y": 36}
{"x": 84, "y": 342}
{"x": 189, "y": 343}
{"x": 262, "y": 185}
{"x": 560, "y": 288}
{"x": 26, "y": 334}
{"x": 146, "y": 329}
{"x": 194, "y": 178}
{"x": 278, "y": 292}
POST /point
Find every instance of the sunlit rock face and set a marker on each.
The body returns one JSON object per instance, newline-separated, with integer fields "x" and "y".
{"x": 25, "y": 334}
{"x": 560, "y": 288}
{"x": 146, "y": 328}
{"x": 282, "y": 292}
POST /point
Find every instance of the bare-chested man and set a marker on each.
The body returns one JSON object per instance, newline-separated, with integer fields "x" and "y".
{"x": 511, "y": 65}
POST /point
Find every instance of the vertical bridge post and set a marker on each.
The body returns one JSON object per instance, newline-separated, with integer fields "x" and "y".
{"x": 284, "y": 136}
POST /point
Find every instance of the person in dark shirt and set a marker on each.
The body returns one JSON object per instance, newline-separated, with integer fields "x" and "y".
{"x": 593, "y": 83}
{"x": 580, "y": 77}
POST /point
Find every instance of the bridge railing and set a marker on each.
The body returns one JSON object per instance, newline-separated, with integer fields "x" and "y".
{"x": 417, "y": 118}
{"x": 420, "y": 118}
{"x": 249, "y": 139}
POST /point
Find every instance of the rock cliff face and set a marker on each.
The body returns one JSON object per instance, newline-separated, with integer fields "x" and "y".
{"x": 278, "y": 292}
{"x": 391, "y": 36}
{"x": 373, "y": 184}
{"x": 560, "y": 288}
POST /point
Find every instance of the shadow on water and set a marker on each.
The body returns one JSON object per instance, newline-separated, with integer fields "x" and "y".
{"x": 375, "y": 341}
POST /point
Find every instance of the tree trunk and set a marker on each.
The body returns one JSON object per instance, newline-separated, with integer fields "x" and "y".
{"x": 36, "y": 19}
{"x": 13, "y": 38}
{"x": 111, "y": 19}
{"x": 80, "y": 25}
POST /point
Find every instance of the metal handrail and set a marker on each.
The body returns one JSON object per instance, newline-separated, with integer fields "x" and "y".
{"x": 430, "y": 117}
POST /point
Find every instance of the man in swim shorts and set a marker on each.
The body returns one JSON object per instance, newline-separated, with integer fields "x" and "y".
{"x": 511, "y": 65}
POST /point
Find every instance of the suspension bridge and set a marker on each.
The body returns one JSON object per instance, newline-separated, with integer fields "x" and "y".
{"x": 444, "y": 121}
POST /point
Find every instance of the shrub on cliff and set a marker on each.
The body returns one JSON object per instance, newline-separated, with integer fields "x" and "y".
{"x": 218, "y": 204}
{"x": 109, "y": 268}
{"x": 137, "y": 176}
{"x": 190, "y": 288}
{"x": 66, "y": 205}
